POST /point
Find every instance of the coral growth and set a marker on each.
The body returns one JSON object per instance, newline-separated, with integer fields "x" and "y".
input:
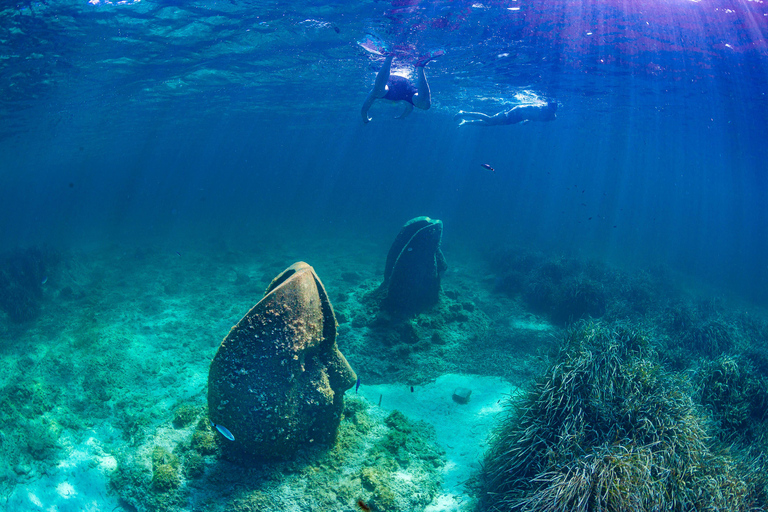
{"x": 608, "y": 428}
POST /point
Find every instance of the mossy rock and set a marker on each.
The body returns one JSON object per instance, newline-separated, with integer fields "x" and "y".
{"x": 165, "y": 470}
{"x": 397, "y": 421}
{"x": 204, "y": 442}
{"x": 393, "y": 443}
{"x": 374, "y": 479}
{"x": 384, "y": 499}
{"x": 353, "y": 405}
{"x": 184, "y": 415}
{"x": 165, "y": 477}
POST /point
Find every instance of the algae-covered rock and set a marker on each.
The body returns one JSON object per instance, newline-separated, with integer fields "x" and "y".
{"x": 165, "y": 470}
{"x": 277, "y": 381}
{"x": 204, "y": 442}
{"x": 184, "y": 415}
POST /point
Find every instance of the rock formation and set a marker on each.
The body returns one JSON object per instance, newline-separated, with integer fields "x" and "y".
{"x": 277, "y": 381}
{"x": 414, "y": 267}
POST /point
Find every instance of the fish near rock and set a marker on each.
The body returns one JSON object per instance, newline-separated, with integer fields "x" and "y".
{"x": 278, "y": 379}
{"x": 415, "y": 265}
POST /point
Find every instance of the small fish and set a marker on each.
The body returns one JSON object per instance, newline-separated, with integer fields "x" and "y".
{"x": 363, "y": 506}
{"x": 488, "y": 166}
{"x": 357, "y": 385}
{"x": 45, "y": 280}
{"x": 224, "y": 431}
{"x": 411, "y": 389}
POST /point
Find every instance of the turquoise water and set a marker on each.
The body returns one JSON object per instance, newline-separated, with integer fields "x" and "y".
{"x": 161, "y": 162}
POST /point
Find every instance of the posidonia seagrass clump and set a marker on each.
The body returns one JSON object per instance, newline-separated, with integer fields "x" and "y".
{"x": 608, "y": 429}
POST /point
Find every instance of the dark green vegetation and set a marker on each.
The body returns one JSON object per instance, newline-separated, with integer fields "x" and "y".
{"x": 568, "y": 289}
{"x": 22, "y": 273}
{"x": 609, "y": 428}
{"x": 737, "y": 396}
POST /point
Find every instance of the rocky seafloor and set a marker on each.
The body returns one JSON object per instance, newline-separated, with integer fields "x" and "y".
{"x": 104, "y": 384}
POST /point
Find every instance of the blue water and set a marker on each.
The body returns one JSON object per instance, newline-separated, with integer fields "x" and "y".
{"x": 175, "y": 119}
{"x": 161, "y": 161}
{"x": 180, "y": 120}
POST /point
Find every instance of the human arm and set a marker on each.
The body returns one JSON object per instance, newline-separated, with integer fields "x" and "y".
{"x": 379, "y": 88}
{"x": 366, "y": 106}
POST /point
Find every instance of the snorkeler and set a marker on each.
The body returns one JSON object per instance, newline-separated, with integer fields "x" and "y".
{"x": 398, "y": 88}
{"x": 519, "y": 114}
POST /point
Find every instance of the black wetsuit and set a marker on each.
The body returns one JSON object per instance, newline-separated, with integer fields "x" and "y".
{"x": 400, "y": 89}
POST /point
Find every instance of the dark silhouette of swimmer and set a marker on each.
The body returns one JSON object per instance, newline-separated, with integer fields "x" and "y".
{"x": 519, "y": 114}
{"x": 398, "y": 88}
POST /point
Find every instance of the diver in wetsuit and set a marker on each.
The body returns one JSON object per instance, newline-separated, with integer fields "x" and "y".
{"x": 398, "y": 88}
{"x": 519, "y": 114}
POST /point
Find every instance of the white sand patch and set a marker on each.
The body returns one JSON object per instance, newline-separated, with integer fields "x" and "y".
{"x": 78, "y": 484}
{"x": 462, "y": 429}
{"x": 529, "y": 325}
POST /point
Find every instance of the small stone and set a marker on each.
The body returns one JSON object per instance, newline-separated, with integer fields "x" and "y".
{"x": 461, "y": 395}
{"x": 22, "y": 468}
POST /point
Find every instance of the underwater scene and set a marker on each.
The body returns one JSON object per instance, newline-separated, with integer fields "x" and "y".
{"x": 383, "y": 255}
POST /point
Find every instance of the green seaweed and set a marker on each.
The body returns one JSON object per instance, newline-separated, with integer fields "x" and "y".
{"x": 737, "y": 397}
{"x": 608, "y": 428}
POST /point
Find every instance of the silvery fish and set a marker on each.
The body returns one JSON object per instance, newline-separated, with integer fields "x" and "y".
{"x": 224, "y": 431}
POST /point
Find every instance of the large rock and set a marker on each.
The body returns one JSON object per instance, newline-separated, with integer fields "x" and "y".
{"x": 277, "y": 381}
{"x": 414, "y": 267}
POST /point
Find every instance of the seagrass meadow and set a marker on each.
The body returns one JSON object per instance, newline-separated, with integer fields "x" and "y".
{"x": 607, "y": 427}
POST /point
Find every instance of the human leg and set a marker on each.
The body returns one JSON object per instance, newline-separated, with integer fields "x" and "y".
{"x": 472, "y": 117}
{"x": 379, "y": 87}
{"x": 382, "y": 77}
{"x": 423, "y": 97}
